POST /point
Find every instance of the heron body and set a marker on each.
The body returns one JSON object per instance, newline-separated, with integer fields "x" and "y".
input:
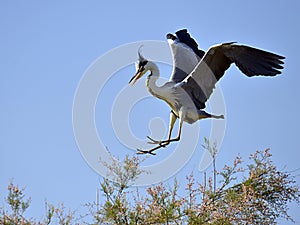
{"x": 195, "y": 74}
{"x": 175, "y": 96}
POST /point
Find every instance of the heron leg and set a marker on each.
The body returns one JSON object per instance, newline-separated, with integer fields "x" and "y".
{"x": 172, "y": 121}
{"x": 163, "y": 143}
{"x": 178, "y": 136}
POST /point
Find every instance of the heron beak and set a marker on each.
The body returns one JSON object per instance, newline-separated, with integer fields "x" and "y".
{"x": 137, "y": 76}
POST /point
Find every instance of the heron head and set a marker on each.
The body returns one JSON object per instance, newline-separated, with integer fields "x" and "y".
{"x": 141, "y": 68}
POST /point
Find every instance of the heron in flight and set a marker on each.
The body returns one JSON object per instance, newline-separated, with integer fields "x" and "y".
{"x": 195, "y": 74}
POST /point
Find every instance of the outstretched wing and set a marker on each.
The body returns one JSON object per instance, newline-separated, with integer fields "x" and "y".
{"x": 186, "y": 54}
{"x": 251, "y": 61}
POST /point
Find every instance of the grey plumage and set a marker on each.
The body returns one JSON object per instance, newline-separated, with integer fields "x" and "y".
{"x": 185, "y": 53}
{"x": 199, "y": 84}
{"x": 195, "y": 74}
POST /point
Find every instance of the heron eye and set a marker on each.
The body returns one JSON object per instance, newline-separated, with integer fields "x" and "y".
{"x": 142, "y": 63}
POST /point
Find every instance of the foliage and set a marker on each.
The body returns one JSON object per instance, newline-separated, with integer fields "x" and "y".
{"x": 17, "y": 205}
{"x": 261, "y": 197}
{"x": 254, "y": 193}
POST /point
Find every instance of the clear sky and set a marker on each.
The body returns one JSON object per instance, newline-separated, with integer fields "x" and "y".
{"x": 46, "y": 46}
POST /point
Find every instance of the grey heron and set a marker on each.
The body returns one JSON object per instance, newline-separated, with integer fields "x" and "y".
{"x": 195, "y": 74}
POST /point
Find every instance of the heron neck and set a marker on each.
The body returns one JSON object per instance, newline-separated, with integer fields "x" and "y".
{"x": 151, "y": 81}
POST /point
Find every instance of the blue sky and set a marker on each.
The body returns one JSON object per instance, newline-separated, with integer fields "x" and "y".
{"x": 47, "y": 46}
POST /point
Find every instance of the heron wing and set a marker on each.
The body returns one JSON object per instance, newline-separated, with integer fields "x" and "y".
{"x": 185, "y": 53}
{"x": 251, "y": 61}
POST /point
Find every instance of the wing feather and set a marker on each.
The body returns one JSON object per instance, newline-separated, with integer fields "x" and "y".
{"x": 254, "y": 62}
{"x": 251, "y": 61}
{"x": 185, "y": 53}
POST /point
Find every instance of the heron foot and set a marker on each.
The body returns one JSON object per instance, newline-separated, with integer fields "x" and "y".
{"x": 151, "y": 151}
{"x": 161, "y": 143}
{"x": 141, "y": 151}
